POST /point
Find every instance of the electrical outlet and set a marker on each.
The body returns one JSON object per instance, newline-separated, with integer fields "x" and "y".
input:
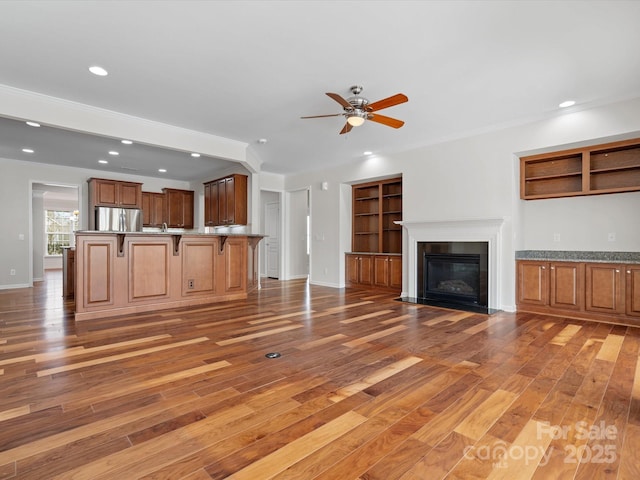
{"x": 190, "y": 283}
{"x": 611, "y": 237}
{"x": 12, "y": 271}
{"x": 556, "y": 237}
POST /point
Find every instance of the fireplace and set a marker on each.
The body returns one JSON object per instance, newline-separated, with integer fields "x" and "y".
{"x": 453, "y": 272}
{"x": 463, "y": 239}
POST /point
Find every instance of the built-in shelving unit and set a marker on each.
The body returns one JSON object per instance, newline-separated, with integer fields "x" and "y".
{"x": 594, "y": 170}
{"x": 376, "y": 206}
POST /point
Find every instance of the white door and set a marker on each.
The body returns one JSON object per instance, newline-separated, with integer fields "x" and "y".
{"x": 272, "y": 242}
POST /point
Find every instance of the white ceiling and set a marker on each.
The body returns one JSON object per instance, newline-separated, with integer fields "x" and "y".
{"x": 247, "y": 70}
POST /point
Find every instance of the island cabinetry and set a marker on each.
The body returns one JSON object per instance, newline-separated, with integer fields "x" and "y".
{"x": 199, "y": 266}
{"x": 598, "y": 291}
{"x": 152, "y": 209}
{"x": 235, "y": 259}
{"x": 114, "y": 193}
{"x": 122, "y": 273}
{"x": 225, "y": 201}
{"x": 178, "y": 207}
{"x": 95, "y": 272}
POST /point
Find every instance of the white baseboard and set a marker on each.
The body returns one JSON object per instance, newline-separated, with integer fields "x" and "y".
{"x": 17, "y": 285}
{"x": 325, "y": 284}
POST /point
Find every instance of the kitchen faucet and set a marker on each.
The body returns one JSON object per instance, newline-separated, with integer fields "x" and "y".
{"x": 164, "y": 226}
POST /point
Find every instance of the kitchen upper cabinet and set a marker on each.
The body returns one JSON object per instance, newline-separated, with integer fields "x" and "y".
{"x": 225, "y": 201}
{"x": 178, "y": 207}
{"x": 114, "y": 193}
{"x": 152, "y": 209}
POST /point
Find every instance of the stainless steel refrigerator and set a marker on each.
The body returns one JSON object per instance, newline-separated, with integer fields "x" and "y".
{"x": 118, "y": 219}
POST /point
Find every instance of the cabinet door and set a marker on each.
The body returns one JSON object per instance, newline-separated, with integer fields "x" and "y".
{"x": 106, "y": 193}
{"x": 129, "y": 195}
{"x": 146, "y": 209}
{"x": 157, "y": 209}
{"x": 230, "y": 193}
{"x": 174, "y": 208}
{"x": 533, "y": 283}
{"x": 235, "y": 254}
{"x": 381, "y": 270}
{"x": 211, "y": 215}
{"x": 395, "y": 272}
{"x": 566, "y": 285}
{"x": 604, "y": 288}
{"x": 187, "y": 209}
{"x": 352, "y": 265}
{"x": 365, "y": 270}
{"x": 632, "y": 274}
{"x": 222, "y": 201}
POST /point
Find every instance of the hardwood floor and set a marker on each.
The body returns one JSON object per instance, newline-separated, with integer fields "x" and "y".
{"x": 365, "y": 388}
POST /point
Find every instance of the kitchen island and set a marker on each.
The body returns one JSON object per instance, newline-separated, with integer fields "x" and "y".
{"x": 118, "y": 273}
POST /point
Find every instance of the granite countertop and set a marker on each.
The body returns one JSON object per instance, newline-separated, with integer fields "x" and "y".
{"x": 579, "y": 256}
{"x": 169, "y": 232}
{"x": 371, "y": 253}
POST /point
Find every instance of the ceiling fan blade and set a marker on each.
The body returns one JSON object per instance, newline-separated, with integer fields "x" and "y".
{"x": 388, "y": 121}
{"x": 340, "y": 100}
{"x": 322, "y": 116}
{"x": 346, "y": 129}
{"x": 387, "y": 102}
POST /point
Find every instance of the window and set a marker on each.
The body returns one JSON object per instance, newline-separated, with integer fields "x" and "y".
{"x": 59, "y": 228}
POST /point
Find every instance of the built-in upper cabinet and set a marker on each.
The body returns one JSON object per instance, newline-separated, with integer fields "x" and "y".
{"x": 598, "y": 169}
{"x": 152, "y": 209}
{"x": 225, "y": 201}
{"x": 376, "y": 206}
{"x": 178, "y": 207}
{"x": 114, "y": 193}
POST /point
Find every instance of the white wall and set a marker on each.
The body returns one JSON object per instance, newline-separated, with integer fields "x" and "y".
{"x": 477, "y": 178}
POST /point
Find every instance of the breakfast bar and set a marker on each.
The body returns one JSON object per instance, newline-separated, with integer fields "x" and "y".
{"x": 119, "y": 273}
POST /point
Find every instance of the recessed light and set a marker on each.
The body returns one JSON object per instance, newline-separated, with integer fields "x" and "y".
{"x": 162, "y": 170}
{"x": 567, "y": 103}
{"x": 126, "y": 142}
{"x": 262, "y": 141}
{"x": 27, "y": 150}
{"x": 103, "y": 162}
{"x": 113, "y": 152}
{"x": 96, "y": 70}
{"x": 195, "y": 155}
{"x": 368, "y": 152}
{"x": 33, "y": 124}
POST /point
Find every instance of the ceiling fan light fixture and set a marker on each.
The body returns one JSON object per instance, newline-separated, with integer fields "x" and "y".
{"x": 355, "y": 119}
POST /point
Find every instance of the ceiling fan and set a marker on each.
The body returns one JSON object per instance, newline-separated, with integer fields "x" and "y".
{"x": 358, "y": 109}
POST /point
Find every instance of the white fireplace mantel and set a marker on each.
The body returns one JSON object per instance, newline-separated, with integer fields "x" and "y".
{"x": 464, "y": 230}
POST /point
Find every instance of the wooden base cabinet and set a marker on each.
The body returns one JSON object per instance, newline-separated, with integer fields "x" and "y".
{"x": 378, "y": 271}
{"x": 597, "y": 291}
{"x": 553, "y": 284}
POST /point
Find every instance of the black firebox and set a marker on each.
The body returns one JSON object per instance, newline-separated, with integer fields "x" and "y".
{"x": 453, "y": 273}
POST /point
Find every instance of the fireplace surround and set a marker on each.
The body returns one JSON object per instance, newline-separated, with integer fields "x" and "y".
{"x": 485, "y": 231}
